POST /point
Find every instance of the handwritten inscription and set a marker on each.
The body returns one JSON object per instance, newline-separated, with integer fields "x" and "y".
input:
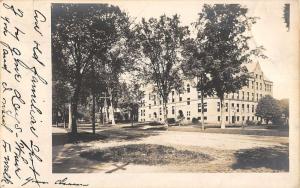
{"x": 22, "y": 113}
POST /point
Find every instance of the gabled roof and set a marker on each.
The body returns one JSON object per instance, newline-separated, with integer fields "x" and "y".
{"x": 251, "y": 66}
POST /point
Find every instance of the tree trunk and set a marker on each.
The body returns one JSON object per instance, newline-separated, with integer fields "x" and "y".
{"x": 112, "y": 107}
{"x": 131, "y": 115}
{"x": 93, "y": 113}
{"x": 65, "y": 123}
{"x": 74, "y": 105}
{"x": 202, "y": 110}
{"x": 56, "y": 118}
{"x": 222, "y": 114}
{"x": 165, "y": 113}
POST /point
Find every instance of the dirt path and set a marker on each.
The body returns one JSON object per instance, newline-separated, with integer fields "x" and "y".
{"x": 231, "y": 153}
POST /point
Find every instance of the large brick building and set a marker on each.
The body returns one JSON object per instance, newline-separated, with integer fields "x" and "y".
{"x": 239, "y": 106}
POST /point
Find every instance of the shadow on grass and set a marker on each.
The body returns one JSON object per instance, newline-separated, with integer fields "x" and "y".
{"x": 147, "y": 154}
{"x": 105, "y": 136}
{"x": 275, "y": 158}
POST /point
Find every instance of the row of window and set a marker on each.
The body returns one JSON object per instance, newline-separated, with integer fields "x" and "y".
{"x": 233, "y": 96}
{"x": 235, "y": 107}
{"x": 237, "y": 118}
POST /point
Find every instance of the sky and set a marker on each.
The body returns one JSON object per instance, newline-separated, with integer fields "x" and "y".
{"x": 269, "y": 31}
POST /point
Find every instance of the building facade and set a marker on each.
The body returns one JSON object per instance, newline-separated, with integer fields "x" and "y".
{"x": 239, "y": 107}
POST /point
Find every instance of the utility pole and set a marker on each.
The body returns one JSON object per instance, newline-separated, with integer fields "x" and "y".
{"x": 104, "y": 115}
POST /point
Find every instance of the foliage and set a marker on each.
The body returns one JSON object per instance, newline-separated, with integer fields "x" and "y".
{"x": 268, "y": 108}
{"x": 195, "y": 120}
{"x": 249, "y": 122}
{"x": 89, "y": 38}
{"x": 284, "y": 106}
{"x": 286, "y": 15}
{"x": 130, "y": 97}
{"x": 224, "y": 37}
{"x": 161, "y": 41}
{"x": 171, "y": 120}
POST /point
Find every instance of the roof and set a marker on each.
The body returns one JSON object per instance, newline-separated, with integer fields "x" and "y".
{"x": 250, "y": 66}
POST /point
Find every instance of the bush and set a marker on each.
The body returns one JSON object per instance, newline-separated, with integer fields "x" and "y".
{"x": 171, "y": 120}
{"x": 195, "y": 120}
{"x": 258, "y": 123}
{"x": 248, "y": 122}
{"x": 278, "y": 121}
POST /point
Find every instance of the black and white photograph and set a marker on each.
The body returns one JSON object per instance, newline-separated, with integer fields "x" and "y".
{"x": 193, "y": 88}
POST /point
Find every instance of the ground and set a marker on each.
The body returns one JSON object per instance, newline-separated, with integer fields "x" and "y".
{"x": 121, "y": 149}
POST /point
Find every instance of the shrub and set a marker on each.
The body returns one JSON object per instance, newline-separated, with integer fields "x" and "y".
{"x": 258, "y": 123}
{"x": 248, "y": 122}
{"x": 171, "y": 120}
{"x": 195, "y": 120}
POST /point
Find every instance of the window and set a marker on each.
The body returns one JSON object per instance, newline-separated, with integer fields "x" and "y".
{"x": 188, "y": 113}
{"x": 172, "y": 92}
{"x": 226, "y": 118}
{"x": 252, "y": 84}
{"x": 173, "y": 109}
{"x": 248, "y": 96}
{"x": 238, "y": 118}
{"x": 155, "y": 115}
{"x": 248, "y": 108}
{"x": 256, "y": 75}
{"x": 252, "y": 118}
{"x": 188, "y": 89}
{"x": 238, "y": 95}
{"x": 257, "y": 85}
{"x": 218, "y": 106}
{"x": 154, "y": 99}
{"x": 243, "y": 107}
{"x": 260, "y": 85}
{"x": 141, "y": 112}
{"x": 265, "y": 87}
{"x": 232, "y": 96}
{"x": 149, "y": 106}
{"x": 160, "y": 111}
{"x": 243, "y": 118}
{"x": 173, "y": 100}
{"x": 180, "y": 98}
{"x": 237, "y": 107}
{"x": 205, "y": 118}
{"x": 252, "y": 96}
{"x": 219, "y": 118}
{"x": 199, "y": 94}
{"x": 226, "y": 107}
{"x": 188, "y": 102}
{"x": 248, "y": 118}
{"x": 232, "y": 105}
{"x": 259, "y": 76}
{"x": 243, "y": 95}
{"x": 252, "y": 110}
{"x": 204, "y": 107}
{"x": 256, "y": 96}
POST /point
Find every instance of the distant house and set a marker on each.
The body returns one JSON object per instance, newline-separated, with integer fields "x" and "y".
{"x": 239, "y": 107}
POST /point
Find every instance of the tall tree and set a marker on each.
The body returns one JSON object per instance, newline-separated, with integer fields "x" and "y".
{"x": 225, "y": 29}
{"x": 195, "y": 65}
{"x": 84, "y": 32}
{"x": 161, "y": 40}
{"x": 268, "y": 108}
